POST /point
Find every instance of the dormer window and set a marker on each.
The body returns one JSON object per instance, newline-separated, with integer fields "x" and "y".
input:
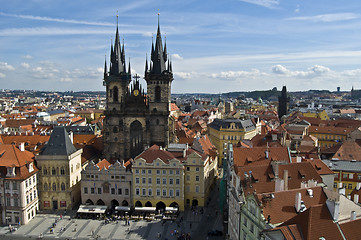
{"x": 10, "y": 172}
{"x": 31, "y": 167}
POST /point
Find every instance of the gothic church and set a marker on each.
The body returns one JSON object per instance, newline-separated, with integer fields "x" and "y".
{"x": 135, "y": 119}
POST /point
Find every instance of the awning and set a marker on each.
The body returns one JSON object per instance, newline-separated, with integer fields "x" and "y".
{"x": 145, "y": 209}
{"x": 122, "y": 208}
{"x": 92, "y": 209}
{"x": 171, "y": 209}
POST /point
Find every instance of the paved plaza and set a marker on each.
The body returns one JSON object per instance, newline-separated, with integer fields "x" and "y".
{"x": 194, "y": 223}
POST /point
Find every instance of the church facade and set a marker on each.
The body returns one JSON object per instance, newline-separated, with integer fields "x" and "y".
{"x": 134, "y": 119}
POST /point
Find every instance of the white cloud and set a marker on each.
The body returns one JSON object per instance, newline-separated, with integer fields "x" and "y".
{"x": 183, "y": 75}
{"x": 147, "y": 34}
{"x": 328, "y": 17}
{"x": 313, "y": 72}
{"x": 27, "y": 57}
{"x": 25, "y": 65}
{"x": 4, "y": 66}
{"x": 233, "y": 75}
{"x": 61, "y": 20}
{"x": 264, "y": 3}
{"x": 176, "y": 56}
{"x": 66, "y": 79}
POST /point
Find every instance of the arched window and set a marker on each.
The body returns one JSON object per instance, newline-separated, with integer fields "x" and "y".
{"x": 62, "y": 171}
{"x": 157, "y": 93}
{"x": 54, "y": 187}
{"x": 53, "y": 172}
{"x": 62, "y": 186}
{"x": 45, "y": 187}
{"x": 115, "y": 94}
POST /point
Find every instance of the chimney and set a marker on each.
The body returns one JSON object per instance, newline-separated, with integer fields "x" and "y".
{"x": 279, "y": 185}
{"x": 71, "y": 136}
{"x": 355, "y": 198}
{"x": 353, "y": 216}
{"x": 22, "y": 147}
{"x": 285, "y": 177}
{"x": 274, "y": 137}
{"x": 275, "y": 166}
{"x": 310, "y": 192}
{"x": 342, "y": 191}
{"x": 298, "y": 159}
{"x": 298, "y": 202}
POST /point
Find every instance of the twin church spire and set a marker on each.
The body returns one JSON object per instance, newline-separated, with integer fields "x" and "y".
{"x": 159, "y": 57}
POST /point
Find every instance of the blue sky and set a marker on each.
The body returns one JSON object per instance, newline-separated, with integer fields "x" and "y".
{"x": 215, "y": 46}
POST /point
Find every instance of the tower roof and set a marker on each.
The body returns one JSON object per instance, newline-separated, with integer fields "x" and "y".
{"x": 158, "y": 55}
{"x": 59, "y": 143}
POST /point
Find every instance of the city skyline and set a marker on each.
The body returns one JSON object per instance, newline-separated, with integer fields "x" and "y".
{"x": 235, "y": 45}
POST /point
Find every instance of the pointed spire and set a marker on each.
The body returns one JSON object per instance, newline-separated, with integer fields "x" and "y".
{"x": 129, "y": 69}
{"x": 105, "y": 67}
{"x": 146, "y": 65}
{"x": 170, "y": 69}
{"x": 165, "y": 50}
{"x": 157, "y": 57}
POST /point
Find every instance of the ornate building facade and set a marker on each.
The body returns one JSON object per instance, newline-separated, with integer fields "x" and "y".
{"x": 135, "y": 119}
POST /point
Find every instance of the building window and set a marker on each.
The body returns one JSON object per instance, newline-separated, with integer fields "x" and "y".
{"x": 188, "y": 177}
{"x": 164, "y": 181}
{"x": 170, "y": 172}
{"x": 170, "y": 192}
{"x": 62, "y": 186}
{"x": 177, "y": 172}
{"x": 7, "y": 185}
{"x": 358, "y": 176}
{"x": 344, "y": 175}
{"x": 158, "y": 172}
{"x": 335, "y": 185}
{"x": 350, "y": 186}
{"x": 158, "y": 181}
{"x": 188, "y": 168}
{"x": 99, "y": 191}
{"x": 86, "y": 190}
{"x": 143, "y": 180}
{"x": 137, "y": 191}
{"x": 54, "y": 187}
{"x": 126, "y": 191}
{"x": 53, "y": 171}
{"x": 164, "y": 172}
{"x": 112, "y": 190}
{"x": 137, "y": 180}
{"x": 350, "y": 176}
{"x": 164, "y": 192}
{"x": 16, "y": 202}
{"x": 15, "y": 186}
{"x": 245, "y": 221}
{"x": 158, "y": 192}
{"x": 171, "y": 181}
{"x": 157, "y": 93}
{"x": 62, "y": 171}
{"x": 150, "y": 192}
{"x": 197, "y": 169}
{"x": 136, "y": 171}
{"x": 45, "y": 187}
{"x": 197, "y": 178}
{"x": 177, "y": 193}
{"x": 119, "y": 191}
{"x": 150, "y": 180}
{"x": 144, "y": 192}
{"x": 187, "y": 189}
{"x": 149, "y": 171}
{"x": 29, "y": 182}
{"x": 45, "y": 171}
{"x": 8, "y": 201}
{"x": 26, "y": 184}
{"x": 92, "y": 190}
{"x": 197, "y": 188}
{"x": 177, "y": 181}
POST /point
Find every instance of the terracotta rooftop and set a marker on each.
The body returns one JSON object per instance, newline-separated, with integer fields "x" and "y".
{"x": 351, "y": 229}
{"x": 281, "y": 207}
{"x": 349, "y": 150}
{"x": 155, "y": 152}
{"x": 257, "y": 155}
{"x": 103, "y": 164}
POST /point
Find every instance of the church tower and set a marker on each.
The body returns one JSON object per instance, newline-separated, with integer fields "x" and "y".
{"x": 159, "y": 79}
{"x": 283, "y": 103}
{"x": 133, "y": 119}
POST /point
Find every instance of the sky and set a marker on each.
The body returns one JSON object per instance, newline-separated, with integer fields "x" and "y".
{"x": 215, "y": 46}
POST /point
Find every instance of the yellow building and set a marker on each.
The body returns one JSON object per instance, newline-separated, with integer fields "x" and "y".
{"x": 60, "y": 172}
{"x": 223, "y": 131}
{"x": 158, "y": 180}
{"x": 176, "y": 177}
{"x": 321, "y": 115}
{"x": 329, "y": 136}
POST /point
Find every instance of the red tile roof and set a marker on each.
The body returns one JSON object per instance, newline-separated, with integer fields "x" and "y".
{"x": 349, "y": 150}
{"x": 103, "y": 164}
{"x": 351, "y": 229}
{"x": 257, "y": 155}
{"x": 155, "y": 152}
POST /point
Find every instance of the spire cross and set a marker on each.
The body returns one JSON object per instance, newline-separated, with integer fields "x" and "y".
{"x": 136, "y": 77}
{"x": 117, "y": 18}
